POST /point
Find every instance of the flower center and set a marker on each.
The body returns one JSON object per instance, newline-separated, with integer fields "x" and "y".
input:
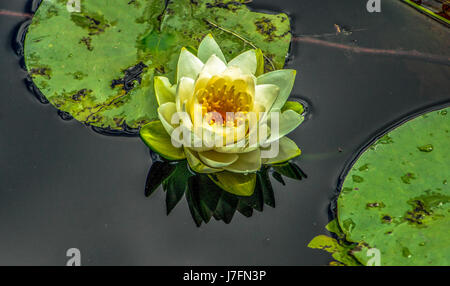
{"x": 222, "y": 95}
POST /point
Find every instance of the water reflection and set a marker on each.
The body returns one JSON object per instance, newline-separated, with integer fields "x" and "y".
{"x": 205, "y": 199}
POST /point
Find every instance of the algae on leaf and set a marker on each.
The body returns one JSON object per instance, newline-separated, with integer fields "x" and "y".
{"x": 396, "y": 197}
{"x": 98, "y": 64}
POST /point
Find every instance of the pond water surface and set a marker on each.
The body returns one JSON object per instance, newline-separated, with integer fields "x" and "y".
{"x": 65, "y": 186}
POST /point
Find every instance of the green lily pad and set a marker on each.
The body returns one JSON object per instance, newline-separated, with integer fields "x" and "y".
{"x": 98, "y": 64}
{"x": 338, "y": 247}
{"x": 396, "y": 197}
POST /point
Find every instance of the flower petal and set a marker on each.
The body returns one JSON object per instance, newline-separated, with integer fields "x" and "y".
{"x": 185, "y": 92}
{"x": 288, "y": 121}
{"x": 284, "y": 79}
{"x": 247, "y": 163}
{"x": 235, "y": 148}
{"x": 216, "y": 159}
{"x": 224, "y": 135}
{"x": 287, "y": 150}
{"x": 209, "y": 47}
{"x": 238, "y": 184}
{"x": 247, "y": 82}
{"x": 232, "y": 72}
{"x": 191, "y": 137}
{"x": 165, "y": 113}
{"x": 188, "y": 65}
{"x": 266, "y": 94}
{"x": 202, "y": 81}
{"x": 247, "y": 144}
{"x": 164, "y": 91}
{"x": 156, "y": 138}
{"x": 197, "y": 165}
{"x": 213, "y": 66}
{"x": 246, "y": 62}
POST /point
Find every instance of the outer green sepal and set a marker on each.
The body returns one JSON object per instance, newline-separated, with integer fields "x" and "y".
{"x": 156, "y": 138}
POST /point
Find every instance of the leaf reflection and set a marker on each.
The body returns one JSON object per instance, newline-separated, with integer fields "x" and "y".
{"x": 205, "y": 199}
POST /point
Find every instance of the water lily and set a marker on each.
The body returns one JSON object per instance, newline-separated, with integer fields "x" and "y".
{"x": 215, "y": 109}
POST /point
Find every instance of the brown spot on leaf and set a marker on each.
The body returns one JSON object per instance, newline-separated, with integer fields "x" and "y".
{"x": 132, "y": 74}
{"x": 87, "y": 41}
{"x": 41, "y": 71}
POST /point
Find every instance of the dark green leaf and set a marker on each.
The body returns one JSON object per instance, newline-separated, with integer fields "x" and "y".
{"x": 176, "y": 185}
{"x": 206, "y": 194}
{"x": 192, "y": 200}
{"x": 226, "y": 207}
{"x": 290, "y": 170}
{"x": 158, "y": 172}
{"x": 209, "y": 195}
{"x": 244, "y": 209}
{"x": 255, "y": 201}
{"x": 264, "y": 183}
{"x": 277, "y": 176}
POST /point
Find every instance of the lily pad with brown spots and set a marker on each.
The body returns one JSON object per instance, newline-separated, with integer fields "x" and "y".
{"x": 98, "y": 64}
{"x": 399, "y": 202}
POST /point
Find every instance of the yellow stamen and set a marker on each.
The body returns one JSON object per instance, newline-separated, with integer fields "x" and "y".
{"x": 222, "y": 95}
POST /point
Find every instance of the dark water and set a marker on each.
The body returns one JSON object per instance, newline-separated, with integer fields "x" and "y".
{"x": 64, "y": 186}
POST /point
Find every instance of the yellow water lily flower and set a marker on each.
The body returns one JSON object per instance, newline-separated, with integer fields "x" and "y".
{"x": 214, "y": 109}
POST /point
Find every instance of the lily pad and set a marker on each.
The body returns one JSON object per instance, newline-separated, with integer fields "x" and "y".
{"x": 98, "y": 64}
{"x": 396, "y": 197}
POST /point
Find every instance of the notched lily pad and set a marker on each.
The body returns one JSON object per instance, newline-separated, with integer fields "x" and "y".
{"x": 403, "y": 187}
{"x": 98, "y": 64}
{"x": 401, "y": 204}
